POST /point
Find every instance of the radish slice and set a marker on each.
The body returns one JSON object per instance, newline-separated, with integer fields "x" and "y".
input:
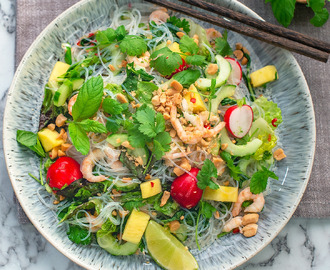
{"x": 235, "y": 76}
{"x": 239, "y": 120}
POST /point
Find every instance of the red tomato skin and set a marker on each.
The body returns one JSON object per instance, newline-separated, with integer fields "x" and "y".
{"x": 184, "y": 190}
{"x": 63, "y": 171}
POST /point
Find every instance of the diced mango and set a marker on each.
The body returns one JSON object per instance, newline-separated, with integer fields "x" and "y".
{"x": 175, "y": 47}
{"x": 222, "y": 194}
{"x": 151, "y": 188}
{"x": 48, "y": 139}
{"x": 264, "y": 75}
{"x": 135, "y": 226}
{"x": 194, "y": 100}
{"x": 59, "y": 69}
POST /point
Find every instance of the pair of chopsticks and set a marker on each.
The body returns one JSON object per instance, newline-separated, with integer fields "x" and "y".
{"x": 261, "y": 30}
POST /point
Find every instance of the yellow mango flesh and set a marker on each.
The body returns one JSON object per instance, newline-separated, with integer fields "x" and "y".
{"x": 175, "y": 47}
{"x": 135, "y": 226}
{"x": 264, "y": 75}
{"x": 194, "y": 100}
{"x": 48, "y": 139}
{"x": 59, "y": 69}
{"x": 223, "y": 194}
{"x": 150, "y": 188}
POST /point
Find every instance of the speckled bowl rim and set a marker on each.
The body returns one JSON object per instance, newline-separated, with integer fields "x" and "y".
{"x": 60, "y": 248}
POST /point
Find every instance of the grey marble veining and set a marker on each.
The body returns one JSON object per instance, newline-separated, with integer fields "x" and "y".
{"x": 302, "y": 244}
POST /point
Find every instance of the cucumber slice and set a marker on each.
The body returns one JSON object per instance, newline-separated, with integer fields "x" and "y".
{"x": 258, "y": 126}
{"x": 111, "y": 245}
{"x": 223, "y": 92}
{"x": 239, "y": 150}
{"x": 77, "y": 83}
{"x": 215, "y": 146}
{"x": 116, "y": 58}
{"x": 117, "y": 139}
{"x": 123, "y": 186}
{"x": 140, "y": 152}
{"x": 62, "y": 93}
{"x": 224, "y": 73}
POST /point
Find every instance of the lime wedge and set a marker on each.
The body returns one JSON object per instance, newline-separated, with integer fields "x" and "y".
{"x": 166, "y": 250}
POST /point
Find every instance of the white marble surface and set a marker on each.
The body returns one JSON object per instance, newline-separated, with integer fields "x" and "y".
{"x": 302, "y": 244}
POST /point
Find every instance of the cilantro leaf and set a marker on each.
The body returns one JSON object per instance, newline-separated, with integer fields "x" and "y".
{"x": 187, "y": 77}
{"x": 179, "y": 23}
{"x": 259, "y": 180}
{"x": 160, "y": 123}
{"x": 188, "y": 45}
{"x": 30, "y": 140}
{"x": 89, "y": 99}
{"x": 165, "y": 61}
{"x": 133, "y": 45}
{"x": 79, "y": 138}
{"x": 106, "y": 37}
{"x": 234, "y": 171}
{"x": 92, "y": 126}
{"x": 205, "y": 175}
{"x": 112, "y": 106}
{"x": 68, "y": 55}
{"x": 136, "y": 138}
{"x": 196, "y": 60}
{"x": 283, "y": 10}
{"x": 120, "y": 32}
{"x": 207, "y": 209}
{"x": 222, "y": 46}
{"x": 161, "y": 144}
{"x": 79, "y": 235}
{"x": 321, "y": 14}
{"x": 135, "y": 76}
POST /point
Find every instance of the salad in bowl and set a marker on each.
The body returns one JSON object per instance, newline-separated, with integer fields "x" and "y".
{"x": 156, "y": 138}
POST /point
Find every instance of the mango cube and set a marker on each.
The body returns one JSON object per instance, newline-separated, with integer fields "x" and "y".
{"x": 151, "y": 188}
{"x": 48, "y": 139}
{"x": 135, "y": 226}
{"x": 175, "y": 47}
{"x": 222, "y": 194}
{"x": 59, "y": 69}
{"x": 194, "y": 100}
{"x": 264, "y": 75}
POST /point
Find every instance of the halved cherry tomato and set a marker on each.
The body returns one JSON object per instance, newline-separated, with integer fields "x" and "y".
{"x": 63, "y": 172}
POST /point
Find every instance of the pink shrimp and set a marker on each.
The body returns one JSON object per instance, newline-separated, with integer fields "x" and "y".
{"x": 233, "y": 223}
{"x": 246, "y": 195}
{"x": 159, "y": 16}
{"x": 72, "y": 101}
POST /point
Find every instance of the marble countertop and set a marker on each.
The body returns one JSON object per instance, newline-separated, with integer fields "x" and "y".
{"x": 302, "y": 244}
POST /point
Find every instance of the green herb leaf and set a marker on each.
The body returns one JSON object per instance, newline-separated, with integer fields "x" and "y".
{"x": 187, "y": 77}
{"x": 228, "y": 101}
{"x": 207, "y": 209}
{"x": 179, "y": 23}
{"x": 133, "y": 45}
{"x": 135, "y": 76}
{"x": 283, "y": 10}
{"x": 188, "y": 45}
{"x": 67, "y": 55}
{"x": 79, "y": 138}
{"x": 234, "y": 171}
{"x": 92, "y": 126}
{"x": 144, "y": 91}
{"x": 165, "y": 61}
{"x": 161, "y": 144}
{"x": 222, "y": 46}
{"x": 205, "y": 175}
{"x": 113, "y": 125}
{"x": 112, "y": 106}
{"x": 121, "y": 32}
{"x": 89, "y": 99}
{"x": 259, "y": 180}
{"x": 320, "y": 17}
{"x": 106, "y": 37}
{"x": 196, "y": 60}
{"x": 79, "y": 235}
{"x": 30, "y": 140}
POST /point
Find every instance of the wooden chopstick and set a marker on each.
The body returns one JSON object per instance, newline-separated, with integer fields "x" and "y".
{"x": 248, "y": 31}
{"x": 261, "y": 25}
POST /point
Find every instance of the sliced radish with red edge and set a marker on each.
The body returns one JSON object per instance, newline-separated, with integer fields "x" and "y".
{"x": 235, "y": 76}
{"x": 239, "y": 120}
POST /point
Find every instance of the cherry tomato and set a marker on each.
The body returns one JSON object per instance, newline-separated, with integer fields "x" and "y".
{"x": 182, "y": 67}
{"x": 63, "y": 172}
{"x": 184, "y": 189}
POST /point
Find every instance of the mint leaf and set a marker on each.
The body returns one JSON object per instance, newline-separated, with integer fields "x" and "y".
{"x": 106, "y": 37}
{"x": 113, "y": 125}
{"x": 179, "y": 23}
{"x": 89, "y": 99}
{"x": 320, "y": 17}
{"x": 207, "y": 209}
{"x": 112, "y": 106}
{"x": 259, "y": 180}
{"x": 196, "y": 60}
{"x": 30, "y": 140}
{"x": 188, "y": 45}
{"x": 133, "y": 45}
{"x": 187, "y": 77}
{"x": 222, "y": 46}
{"x": 92, "y": 126}
{"x": 205, "y": 175}
{"x": 79, "y": 138}
{"x": 165, "y": 61}
{"x": 283, "y": 10}
{"x": 78, "y": 235}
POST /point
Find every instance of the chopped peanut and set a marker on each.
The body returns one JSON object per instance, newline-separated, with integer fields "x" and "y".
{"x": 121, "y": 98}
{"x": 226, "y": 183}
{"x": 174, "y": 225}
{"x": 123, "y": 213}
{"x": 177, "y": 86}
{"x": 238, "y": 54}
{"x": 178, "y": 171}
{"x": 60, "y": 120}
{"x": 62, "y": 198}
{"x": 185, "y": 164}
{"x": 180, "y": 34}
{"x": 148, "y": 176}
{"x": 171, "y": 92}
{"x": 65, "y": 136}
{"x": 224, "y": 146}
{"x": 279, "y": 154}
{"x": 59, "y": 137}
{"x": 65, "y": 146}
{"x": 127, "y": 179}
{"x": 56, "y": 202}
{"x": 244, "y": 61}
{"x": 250, "y": 219}
{"x": 239, "y": 46}
{"x": 165, "y": 197}
{"x": 161, "y": 109}
{"x": 114, "y": 213}
{"x": 168, "y": 42}
{"x": 218, "y": 161}
{"x": 217, "y": 214}
{"x": 212, "y": 69}
{"x": 112, "y": 68}
{"x": 60, "y": 153}
{"x": 51, "y": 126}
{"x": 127, "y": 145}
{"x": 172, "y": 133}
{"x": 124, "y": 63}
{"x": 245, "y": 50}
{"x": 162, "y": 99}
{"x": 154, "y": 213}
{"x": 53, "y": 153}
{"x": 249, "y": 230}
{"x": 115, "y": 192}
{"x": 155, "y": 101}
{"x": 166, "y": 115}
{"x": 182, "y": 218}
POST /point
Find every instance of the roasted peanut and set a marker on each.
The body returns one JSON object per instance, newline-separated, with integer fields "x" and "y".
{"x": 250, "y": 219}
{"x": 249, "y": 230}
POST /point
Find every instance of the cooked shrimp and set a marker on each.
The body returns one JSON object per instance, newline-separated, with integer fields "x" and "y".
{"x": 212, "y": 34}
{"x": 159, "y": 16}
{"x": 142, "y": 61}
{"x": 209, "y": 116}
{"x": 209, "y": 133}
{"x": 246, "y": 195}
{"x": 176, "y": 155}
{"x": 232, "y": 224}
{"x": 187, "y": 137}
{"x": 72, "y": 101}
